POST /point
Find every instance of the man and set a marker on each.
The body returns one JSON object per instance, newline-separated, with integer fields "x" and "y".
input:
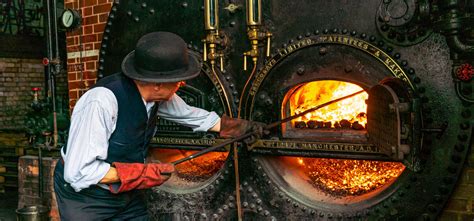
{"x": 102, "y": 171}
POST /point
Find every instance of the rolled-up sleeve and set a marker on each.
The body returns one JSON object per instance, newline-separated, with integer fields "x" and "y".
{"x": 92, "y": 123}
{"x": 176, "y": 110}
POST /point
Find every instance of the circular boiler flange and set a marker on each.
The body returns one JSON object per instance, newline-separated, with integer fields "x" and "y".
{"x": 351, "y": 59}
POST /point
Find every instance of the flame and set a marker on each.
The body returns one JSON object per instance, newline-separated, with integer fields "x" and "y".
{"x": 315, "y": 93}
{"x": 339, "y": 177}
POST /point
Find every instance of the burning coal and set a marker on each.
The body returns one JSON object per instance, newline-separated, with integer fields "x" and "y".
{"x": 349, "y": 113}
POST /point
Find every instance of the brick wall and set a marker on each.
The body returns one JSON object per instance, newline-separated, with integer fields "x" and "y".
{"x": 28, "y": 194}
{"x": 83, "y": 45}
{"x": 17, "y": 77}
{"x": 12, "y": 145}
{"x": 461, "y": 205}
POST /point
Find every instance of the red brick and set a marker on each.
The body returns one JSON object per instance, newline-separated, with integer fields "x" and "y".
{"x": 89, "y": 46}
{"x": 103, "y": 17}
{"x": 73, "y": 94}
{"x": 87, "y": 11}
{"x": 71, "y": 76}
{"x": 90, "y": 38}
{"x": 102, "y": 8}
{"x": 97, "y": 45}
{"x": 89, "y": 2}
{"x": 99, "y": 28}
{"x": 90, "y": 20}
{"x": 88, "y": 29}
{"x": 90, "y": 66}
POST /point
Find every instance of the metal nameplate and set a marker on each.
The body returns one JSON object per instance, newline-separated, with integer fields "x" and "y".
{"x": 316, "y": 146}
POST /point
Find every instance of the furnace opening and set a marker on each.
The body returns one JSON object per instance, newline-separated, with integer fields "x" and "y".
{"x": 323, "y": 180}
{"x": 193, "y": 173}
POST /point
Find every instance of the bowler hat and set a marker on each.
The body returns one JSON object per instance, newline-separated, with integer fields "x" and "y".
{"x": 161, "y": 57}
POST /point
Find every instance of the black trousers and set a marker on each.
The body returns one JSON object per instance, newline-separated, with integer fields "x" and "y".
{"x": 96, "y": 203}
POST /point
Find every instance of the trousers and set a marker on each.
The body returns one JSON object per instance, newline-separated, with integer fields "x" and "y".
{"x": 97, "y": 203}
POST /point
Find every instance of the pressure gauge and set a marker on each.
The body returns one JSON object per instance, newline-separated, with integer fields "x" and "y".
{"x": 70, "y": 19}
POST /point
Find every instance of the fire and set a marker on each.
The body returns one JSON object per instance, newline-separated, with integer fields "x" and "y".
{"x": 339, "y": 177}
{"x": 198, "y": 169}
{"x": 315, "y": 93}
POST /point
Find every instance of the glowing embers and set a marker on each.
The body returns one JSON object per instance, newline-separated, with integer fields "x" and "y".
{"x": 342, "y": 178}
{"x": 192, "y": 173}
{"x": 346, "y": 114}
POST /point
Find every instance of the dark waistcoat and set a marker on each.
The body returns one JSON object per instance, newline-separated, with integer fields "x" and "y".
{"x": 133, "y": 132}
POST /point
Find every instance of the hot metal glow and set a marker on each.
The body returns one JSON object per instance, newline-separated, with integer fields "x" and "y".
{"x": 318, "y": 92}
{"x": 339, "y": 177}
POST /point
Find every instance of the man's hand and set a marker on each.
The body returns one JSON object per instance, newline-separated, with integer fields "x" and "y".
{"x": 141, "y": 176}
{"x": 234, "y": 127}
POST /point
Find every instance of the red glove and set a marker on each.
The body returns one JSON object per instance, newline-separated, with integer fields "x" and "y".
{"x": 141, "y": 176}
{"x": 234, "y": 127}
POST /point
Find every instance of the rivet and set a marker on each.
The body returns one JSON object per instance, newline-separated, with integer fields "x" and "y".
{"x": 464, "y": 126}
{"x": 300, "y": 71}
{"x": 334, "y": 30}
{"x": 225, "y": 207}
{"x": 245, "y": 204}
{"x": 254, "y": 195}
{"x": 259, "y": 201}
{"x": 114, "y": 8}
{"x": 266, "y": 213}
{"x": 316, "y": 32}
{"x": 231, "y": 205}
{"x": 215, "y": 216}
{"x": 426, "y": 217}
{"x": 259, "y": 209}
{"x": 372, "y": 38}
{"x": 220, "y": 211}
{"x": 151, "y": 11}
{"x": 432, "y": 208}
{"x": 203, "y": 215}
{"x": 252, "y": 206}
{"x": 323, "y": 50}
{"x": 308, "y": 34}
{"x": 245, "y": 183}
{"x": 129, "y": 13}
{"x": 184, "y": 4}
{"x": 353, "y": 33}
{"x": 299, "y": 37}
{"x": 397, "y": 55}
{"x": 111, "y": 16}
{"x": 404, "y": 63}
{"x": 326, "y": 31}
{"x": 144, "y": 5}
{"x": 232, "y": 24}
{"x": 295, "y": 205}
{"x": 344, "y": 31}
{"x": 136, "y": 19}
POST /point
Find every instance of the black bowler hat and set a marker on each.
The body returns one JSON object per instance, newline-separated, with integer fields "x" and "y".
{"x": 161, "y": 57}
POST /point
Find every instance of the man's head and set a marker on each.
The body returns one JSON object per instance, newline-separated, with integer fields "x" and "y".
{"x": 161, "y": 59}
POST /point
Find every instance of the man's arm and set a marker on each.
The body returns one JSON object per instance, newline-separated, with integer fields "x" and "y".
{"x": 110, "y": 177}
{"x": 216, "y": 127}
{"x": 178, "y": 111}
{"x": 92, "y": 122}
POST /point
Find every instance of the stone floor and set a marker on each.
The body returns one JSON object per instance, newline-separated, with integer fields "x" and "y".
{"x": 8, "y": 205}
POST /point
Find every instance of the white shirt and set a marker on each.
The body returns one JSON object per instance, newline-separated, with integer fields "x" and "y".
{"x": 93, "y": 121}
